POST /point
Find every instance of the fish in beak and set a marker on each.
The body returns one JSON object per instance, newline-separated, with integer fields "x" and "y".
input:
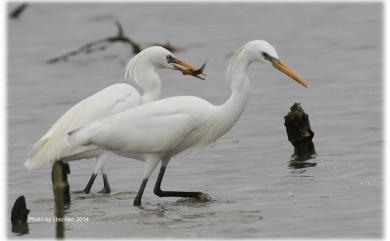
{"x": 188, "y": 69}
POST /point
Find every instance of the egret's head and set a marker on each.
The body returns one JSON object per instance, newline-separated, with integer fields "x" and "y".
{"x": 160, "y": 58}
{"x": 157, "y": 57}
{"x": 262, "y": 51}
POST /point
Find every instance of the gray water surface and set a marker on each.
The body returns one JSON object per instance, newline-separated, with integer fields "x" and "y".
{"x": 337, "y": 48}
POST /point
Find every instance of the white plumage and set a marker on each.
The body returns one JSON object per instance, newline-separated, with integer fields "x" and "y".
{"x": 54, "y": 145}
{"x": 159, "y": 130}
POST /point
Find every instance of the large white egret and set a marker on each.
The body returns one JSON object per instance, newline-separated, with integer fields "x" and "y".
{"x": 142, "y": 68}
{"x": 159, "y": 130}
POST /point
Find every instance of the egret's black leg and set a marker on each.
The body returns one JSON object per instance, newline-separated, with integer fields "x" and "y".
{"x": 106, "y": 188}
{"x": 160, "y": 193}
{"x": 87, "y": 189}
{"x": 137, "y": 200}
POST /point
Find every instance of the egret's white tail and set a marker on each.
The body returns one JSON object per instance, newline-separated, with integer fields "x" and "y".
{"x": 40, "y": 154}
{"x": 55, "y": 143}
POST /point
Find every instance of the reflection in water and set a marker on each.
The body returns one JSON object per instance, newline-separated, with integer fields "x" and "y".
{"x": 20, "y": 229}
{"x": 293, "y": 164}
{"x": 302, "y": 162}
{"x": 205, "y": 197}
{"x": 240, "y": 184}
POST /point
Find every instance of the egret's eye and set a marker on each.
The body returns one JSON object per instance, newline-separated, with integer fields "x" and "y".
{"x": 267, "y": 56}
{"x": 170, "y": 58}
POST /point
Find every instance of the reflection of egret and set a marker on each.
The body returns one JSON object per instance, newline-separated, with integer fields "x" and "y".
{"x": 54, "y": 144}
{"x": 159, "y": 130}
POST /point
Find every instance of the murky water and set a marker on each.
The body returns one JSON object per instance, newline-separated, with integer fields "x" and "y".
{"x": 337, "y": 48}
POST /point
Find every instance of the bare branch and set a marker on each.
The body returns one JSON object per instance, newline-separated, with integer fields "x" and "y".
{"x": 120, "y": 29}
{"x": 18, "y": 11}
{"x": 102, "y": 44}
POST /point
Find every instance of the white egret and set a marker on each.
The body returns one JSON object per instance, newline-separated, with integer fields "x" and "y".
{"x": 142, "y": 68}
{"x": 159, "y": 130}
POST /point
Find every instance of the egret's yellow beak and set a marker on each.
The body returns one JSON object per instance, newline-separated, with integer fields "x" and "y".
{"x": 285, "y": 69}
{"x": 188, "y": 69}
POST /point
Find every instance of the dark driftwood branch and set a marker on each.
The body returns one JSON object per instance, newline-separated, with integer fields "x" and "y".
{"x": 299, "y": 132}
{"x": 18, "y": 11}
{"x": 102, "y": 44}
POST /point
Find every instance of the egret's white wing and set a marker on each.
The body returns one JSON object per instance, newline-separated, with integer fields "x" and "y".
{"x": 54, "y": 144}
{"x": 154, "y": 127}
{"x": 135, "y": 135}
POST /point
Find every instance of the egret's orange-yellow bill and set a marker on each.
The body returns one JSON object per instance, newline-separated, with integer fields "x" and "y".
{"x": 285, "y": 69}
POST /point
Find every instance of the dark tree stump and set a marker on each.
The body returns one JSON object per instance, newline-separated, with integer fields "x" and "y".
{"x": 299, "y": 132}
{"x": 19, "y": 214}
{"x": 57, "y": 174}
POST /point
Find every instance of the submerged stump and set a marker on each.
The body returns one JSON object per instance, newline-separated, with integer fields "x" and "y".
{"x": 299, "y": 133}
{"x": 57, "y": 175}
{"x": 19, "y": 214}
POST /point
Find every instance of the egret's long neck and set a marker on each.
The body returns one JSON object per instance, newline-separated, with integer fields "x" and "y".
{"x": 232, "y": 109}
{"x": 146, "y": 77}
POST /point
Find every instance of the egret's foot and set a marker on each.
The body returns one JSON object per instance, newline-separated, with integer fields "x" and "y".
{"x": 66, "y": 206}
{"x": 137, "y": 202}
{"x": 105, "y": 190}
{"x": 87, "y": 189}
{"x": 196, "y": 195}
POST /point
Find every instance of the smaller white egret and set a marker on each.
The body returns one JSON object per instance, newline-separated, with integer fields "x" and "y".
{"x": 141, "y": 68}
{"x": 161, "y": 129}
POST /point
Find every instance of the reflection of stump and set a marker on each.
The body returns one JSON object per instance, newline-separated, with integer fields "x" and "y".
{"x": 299, "y": 132}
{"x": 57, "y": 175}
{"x": 19, "y": 215}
